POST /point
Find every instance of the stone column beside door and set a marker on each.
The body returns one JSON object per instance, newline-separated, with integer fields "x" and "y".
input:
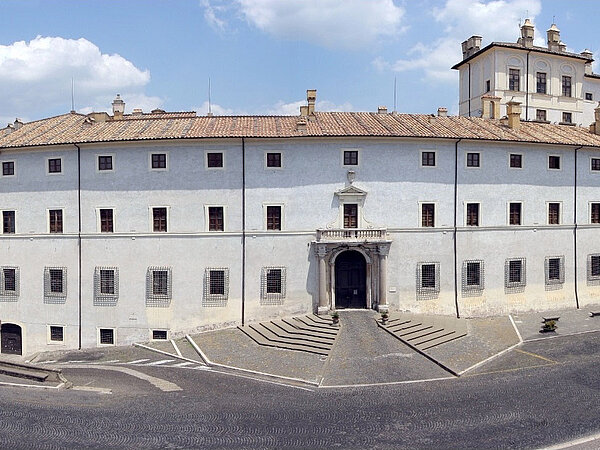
{"x": 323, "y": 300}
{"x": 383, "y": 251}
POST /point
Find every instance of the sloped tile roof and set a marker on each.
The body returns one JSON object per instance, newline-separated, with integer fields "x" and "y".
{"x": 74, "y": 128}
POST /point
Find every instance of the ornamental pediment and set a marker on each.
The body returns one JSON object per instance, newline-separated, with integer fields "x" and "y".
{"x": 351, "y": 192}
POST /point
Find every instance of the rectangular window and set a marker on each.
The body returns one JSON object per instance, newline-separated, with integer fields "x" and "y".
{"x": 428, "y": 275}
{"x": 567, "y": 117}
{"x": 428, "y": 215}
{"x": 595, "y": 164}
{"x": 159, "y": 335}
{"x": 273, "y": 159}
{"x": 566, "y": 86}
{"x": 55, "y": 220}
{"x": 513, "y": 79}
{"x": 589, "y": 96}
{"x": 106, "y": 286}
{"x": 107, "y": 281}
{"x": 107, "y": 336}
{"x": 472, "y": 159}
{"x": 8, "y": 168}
{"x": 555, "y": 272}
{"x": 472, "y": 214}
{"x": 541, "y": 83}
{"x": 514, "y": 214}
{"x": 514, "y": 275}
{"x": 273, "y": 285}
{"x": 594, "y": 212}
{"x": 351, "y": 158}
{"x": 472, "y": 277}
{"x": 55, "y": 285}
{"x": 56, "y": 333}
{"x": 274, "y": 281}
{"x": 428, "y": 280}
{"x": 350, "y": 215}
{"x": 55, "y": 165}
{"x": 554, "y": 162}
{"x": 428, "y": 159}
{"x": 8, "y": 222}
{"x": 214, "y": 160}
{"x": 105, "y": 162}
{"x": 516, "y": 161}
{"x": 540, "y": 114}
{"x": 593, "y": 270}
{"x": 106, "y": 221}
{"x": 215, "y": 218}
{"x": 56, "y": 281}
{"x": 216, "y": 287}
{"x": 553, "y": 213}
{"x": 488, "y": 85}
{"x": 9, "y": 280}
{"x": 273, "y": 217}
{"x": 159, "y": 219}
{"x": 159, "y": 285}
{"x": 514, "y": 271}
{"x": 158, "y": 160}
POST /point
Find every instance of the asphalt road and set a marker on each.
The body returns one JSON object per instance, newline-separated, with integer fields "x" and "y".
{"x": 541, "y": 394}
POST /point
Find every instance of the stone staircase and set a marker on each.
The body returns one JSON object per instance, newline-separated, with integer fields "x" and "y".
{"x": 311, "y": 333}
{"x": 425, "y": 332}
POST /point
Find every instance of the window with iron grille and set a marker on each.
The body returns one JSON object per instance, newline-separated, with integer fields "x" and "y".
{"x": 428, "y": 280}
{"x": 472, "y": 214}
{"x": 553, "y": 213}
{"x": 272, "y": 285}
{"x": 159, "y": 160}
{"x": 472, "y": 278}
{"x": 472, "y": 159}
{"x": 158, "y": 286}
{"x": 273, "y": 217}
{"x": 514, "y": 214}
{"x": 428, "y": 214}
{"x": 516, "y": 161}
{"x": 514, "y": 275}
{"x": 215, "y": 218}
{"x": 106, "y": 221}
{"x": 595, "y": 164}
{"x": 513, "y": 79}
{"x": 9, "y": 284}
{"x": 350, "y": 215}
{"x": 553, "y": 162}
{"x": 214, "y": 160}
{"x": 566, "y": 86}
{"x": 593, "y": 269}
{"x": 540, "y": 82}
{"x": 541, "y": 115}
{"x": 107, "y": 336}
{"x": 8, "y": 222}
{"x": 56, "y": 333}
{"x": 8, "y": 168}
{"x": 159, "y": 335}
{"x": 595, "y": 213}
{"x": 589, "y": 96}
{"x": 159, "y": 219}
{"x": 55, "y": 220}
{"x": 55, "y": 165}
{"x": 567, "y": 117}
{"x": 351, "y": 157}
{"x": 428, "y": 159}
{"x": 106, "y": 286}
{"x": 55, "y": 284}
{"x": 105, "y": 162}
{"x": 555, "y": 272}
{"x": 216, "y": 287}
{"x": 273, "y": 159}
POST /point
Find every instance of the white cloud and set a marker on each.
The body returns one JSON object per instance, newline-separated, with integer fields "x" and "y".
{"x": 330, "y": 23}
{"x": 494, "y": 20}
{"x": 39, "y": 72}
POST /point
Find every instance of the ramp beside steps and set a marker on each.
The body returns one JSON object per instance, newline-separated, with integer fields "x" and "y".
{"x": 425, "y": 332}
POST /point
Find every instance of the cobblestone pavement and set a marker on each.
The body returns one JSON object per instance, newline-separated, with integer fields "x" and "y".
{"x": 546, "y": 392}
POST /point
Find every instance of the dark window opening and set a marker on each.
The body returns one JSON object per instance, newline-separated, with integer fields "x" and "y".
{"x": 595, "y": 213}
{"x": 541, "y": 83}
{"x": 350, "y": 215}
{"x": 107, "y": 281}
{"x": 473, "y": 274}
{"x": 56, "y": 281}
{"x": 159, "y": 335}
{"x": 516, "y": 161}
{"x": 55, "y": 165}
{"x": 56, "y": 334}
{"x": 472, "y": 159}
{"x": 540, "y": 114}
{"x": 159, "y": 160}
{"x": 160, "y": 282}
{"x": 428, "y": 158}
{"x": 554, "y": 269}
{"x": 273, "y": 217}
{"x": 214, "y": 160}
{"x": 217, "y": 282}
{"x": 428, "y": 215}
{"x": 350, "y": 158}
{"x": 515, "y": 214}
{"x": 274, "y": 284}
{"x": 56, "y": 220}
{"x": 273, "y": 159}
{"x": 10, "y": 280}
{"x": 107, "y": 336}
{"x": 159, "y": 219}
{"x": 567, "y": 117}
{"x": 8, "y": 168}
{"x": 566, "y": 86}
{"x": 215, "y": 218}
{"x": 8, "y": 222}
{"x": 515, "y": 270}
{"x": 105, "y": 163}
{"x": 472, "y": 214}
{"x": 106, "y": 220}
{"x": 513, "y": 79}
{"x": 554, "y": 162}
{"x": 428, "y": 276}
{"x": 553, "y": 213}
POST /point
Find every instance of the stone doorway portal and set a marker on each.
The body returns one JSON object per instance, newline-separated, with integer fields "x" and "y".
{"x": 350, "y": 280}
{"x": 10, "y": 339}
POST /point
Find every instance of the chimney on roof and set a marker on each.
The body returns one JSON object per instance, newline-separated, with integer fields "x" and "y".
{"x": 490, "y": 106}
{"x": 595, "y": 127}
{"x": 18, "y": 124}
{"x": 442, "y": 112}
{"x": 553, "y": 35}
{"x": 588, "y": 64}
{"x": 118, "y": 107}
{"x": 382, "y": 110}
{"x": 513, "y": 110}
{"x": 137, "y": 112}
{"x": 471, "y": 46}
{"x": 311, "y": 98}
{"x": 301, "y": 125}
{"x": 527, "y": 32}
{"x": 304, "y": 110}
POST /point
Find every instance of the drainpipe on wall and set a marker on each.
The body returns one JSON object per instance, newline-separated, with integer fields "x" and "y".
{"x": 454, "y": 227}
{"x": 527, "y": 87}
{"x": 575, "y": 227}
{"x": 469, "y": 64}
{"x": 79, "y": 237}
{"x": 243, "y": 230}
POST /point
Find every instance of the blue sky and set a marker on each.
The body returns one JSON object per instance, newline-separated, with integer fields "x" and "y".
{"x": 261, "y": 55}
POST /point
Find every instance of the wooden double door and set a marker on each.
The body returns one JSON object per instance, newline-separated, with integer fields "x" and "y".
{"x": 350, "y": 280}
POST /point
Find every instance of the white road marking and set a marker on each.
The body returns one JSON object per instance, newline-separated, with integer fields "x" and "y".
{"x": 99, "y": 390}
{"x": 182, "y": 364}
{"x": 137, "y": 361}
{"x": 176, "y": 348}
{"x": 580, "y": 441}
{"x": 163, "y": 385}
{"x": 159, "y": 363}
{"x": 47, "y": 362}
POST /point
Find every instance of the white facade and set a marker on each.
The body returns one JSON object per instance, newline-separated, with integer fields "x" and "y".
{"x": 389, "y": 184}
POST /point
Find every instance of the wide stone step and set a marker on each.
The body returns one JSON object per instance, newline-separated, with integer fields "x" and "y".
{"x": 430, "y": 333}
{"x": 22, "y": 372}
{"x": 441, "y": 340}
{"x": 423, "y": 332}
{"x": 260, "y": 339}
{"x": 309, "y": 339}
{"x": 311, "y": 325}
{"x": 293, "y": 331}
{"x": 414, "y": 330}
